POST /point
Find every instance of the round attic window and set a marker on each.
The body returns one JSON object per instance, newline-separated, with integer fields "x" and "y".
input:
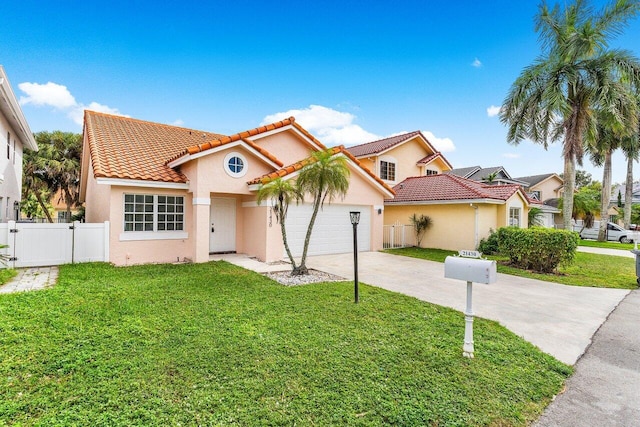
{"x": 235, "y": 165}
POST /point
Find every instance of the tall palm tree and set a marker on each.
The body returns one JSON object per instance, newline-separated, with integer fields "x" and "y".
{"x": 34, "y": 180}
{"x": 631, "y": 149}
{"x": 324, "y": 178}
{"x": 611, "y": 132}
{"x": 556, "y": 97}
{"x": 282, "y": 193}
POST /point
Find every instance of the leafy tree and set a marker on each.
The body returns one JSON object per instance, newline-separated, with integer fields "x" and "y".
{"x": 490, "y": 178}
{"x": 31, "y": 207}
{"x": 585, "y": 204}
{"x": 54, "y": 167}
{"x": 556, "y": 97}
{"x": 420, "y": 224}
{"x": 583, "y": 178}
{"x": 631, "y": 149}
{"x": 282, "y": 193}
{"x": 34, "y": 184}
{"x": 619, "y": 199}
{"x": 325, "y": 177}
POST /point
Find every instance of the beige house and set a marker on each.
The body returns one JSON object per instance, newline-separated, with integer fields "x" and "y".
{"x": 396, "y": 158}
{"x": 173, "y": 193}
{"x": 15, "y": 136}
{"x": 547, "y": 189}
{"x": 463, "y": 211}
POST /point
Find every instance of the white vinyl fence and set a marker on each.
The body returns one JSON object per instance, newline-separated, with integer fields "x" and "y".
{"x": 398, "y": 236}
{"x": 38, "y": 245}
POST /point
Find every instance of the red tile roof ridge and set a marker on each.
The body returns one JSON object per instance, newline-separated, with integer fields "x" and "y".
{"x": 237, "y": 137}
{"x": 394, "y": 140}
{"x": 307, "y": 134}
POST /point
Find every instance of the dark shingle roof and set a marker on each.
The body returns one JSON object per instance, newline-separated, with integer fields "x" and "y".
{"x": 534, "y": 179}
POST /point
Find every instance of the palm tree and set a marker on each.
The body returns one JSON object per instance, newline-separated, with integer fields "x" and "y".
{"x": 631, "y": 149}
{"x": 535, "y": 216}
{"x": 325, "y": 177}
{"x": 63, "y": 152}
{"x": 282, "y": 193}
{"x": 34, "y": 180}
{"x": 611, "y": 132}
{"x": 555, "y": 98}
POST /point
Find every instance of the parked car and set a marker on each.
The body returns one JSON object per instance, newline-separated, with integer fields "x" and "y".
{"x": 615, "y": 233}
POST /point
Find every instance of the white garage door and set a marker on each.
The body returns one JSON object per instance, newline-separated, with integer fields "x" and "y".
{"x": 332, "y": 232}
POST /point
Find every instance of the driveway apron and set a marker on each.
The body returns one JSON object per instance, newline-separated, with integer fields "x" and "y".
{"x": 558, "y": 319}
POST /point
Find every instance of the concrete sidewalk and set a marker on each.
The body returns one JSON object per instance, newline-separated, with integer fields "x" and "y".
{"x": 603, "y": 391}
{"x": 606, "y": 251}
{"x": 31, "y": 279}
{"x": 558, "y": 319}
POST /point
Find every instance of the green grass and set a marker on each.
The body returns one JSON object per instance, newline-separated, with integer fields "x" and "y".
{"x": 606, "y": 245}
{"x": 7, "y": 274}
{"x": 213, "y": 344}
{"x": 600, "y": 271}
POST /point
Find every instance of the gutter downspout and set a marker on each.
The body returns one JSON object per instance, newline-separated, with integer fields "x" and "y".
{"x": 477, "y": 216}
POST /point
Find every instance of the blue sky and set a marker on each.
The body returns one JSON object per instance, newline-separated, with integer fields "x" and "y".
{"x": 350, "y": 71}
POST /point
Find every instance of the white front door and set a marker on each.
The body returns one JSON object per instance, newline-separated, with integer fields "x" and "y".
{"x": 222, "y": 231}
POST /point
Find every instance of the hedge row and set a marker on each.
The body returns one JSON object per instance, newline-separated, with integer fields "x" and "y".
{"x": 538, "y": 249}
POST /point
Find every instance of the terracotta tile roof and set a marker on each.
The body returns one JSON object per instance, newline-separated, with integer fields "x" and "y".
{"x": 287, "y": 170}
{"x": 126, "y": 148}
{"x": 432, "y": 157}
{"x": 380, "y": 145}
{"x": 448, "y": 187}
{"x": 244, "y": 136}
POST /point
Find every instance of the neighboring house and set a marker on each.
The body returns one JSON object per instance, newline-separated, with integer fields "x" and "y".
{"x": 546, "y": 188}
{"x": 15, "y": 135}
{"x": 172, "y": 193}
{"x": 60, "y": 208}
{"x": 496, "y": 175}
{"x": 463, "y": 211}
{"x": 621, "y": 188}
{"x": 398, "y": 157}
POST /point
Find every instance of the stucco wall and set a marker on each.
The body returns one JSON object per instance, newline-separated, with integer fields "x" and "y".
{"x": 406, "y": 156}
{"x": 123, "y": 252}
{"x": 98, "y": 200}
{"x": 287, "y": 146}
{"x": 547, "y": 189}
{"x": 453, "y": 224}
{"x": 11, "y": 169}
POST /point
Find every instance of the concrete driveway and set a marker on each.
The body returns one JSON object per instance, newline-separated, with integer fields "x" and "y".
{"x": 558, "y": 319}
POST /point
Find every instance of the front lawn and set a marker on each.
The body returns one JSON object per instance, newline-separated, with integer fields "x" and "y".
{"x": 7, "y": 274}
{"x": 213, "y": 344}
{"x": 600, "y": 271}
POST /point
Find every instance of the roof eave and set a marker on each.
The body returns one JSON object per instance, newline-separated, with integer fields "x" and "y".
{"x": 17, "y": 116}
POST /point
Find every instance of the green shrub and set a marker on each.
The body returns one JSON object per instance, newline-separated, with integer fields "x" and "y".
{"x": 489, "y": 246}
{"x": 538, "y": 249}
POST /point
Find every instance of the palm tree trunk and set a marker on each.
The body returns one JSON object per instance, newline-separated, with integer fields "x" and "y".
{"x": 605, "y": 196}
{"x": 628, "y": 193}
{"x": 286, "y": 243}
{"x": 44, "y": 208}
{"x": 302, "y": 268}
{"x": 569, "y": 187}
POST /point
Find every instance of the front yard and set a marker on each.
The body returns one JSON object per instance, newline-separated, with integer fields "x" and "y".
{"x": 213, "y": 344}
{"x": 601, "y": 271}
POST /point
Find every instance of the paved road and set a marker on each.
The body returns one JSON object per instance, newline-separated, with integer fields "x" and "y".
{"x": 559, "y": 319}
{"x": 605, "y": 388}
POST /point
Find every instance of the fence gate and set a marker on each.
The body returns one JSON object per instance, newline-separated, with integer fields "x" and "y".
{"x": 398, "y": 235}
{"x": 43, "y": 244}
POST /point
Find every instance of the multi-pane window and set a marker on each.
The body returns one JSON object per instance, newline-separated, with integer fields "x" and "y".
{"x": 145, "y": 212}
{"x": 170, "y": 213}
{"x": 514, "y": 217}
{"x": 430, "y": 172}
{"x": 387, "y": 170}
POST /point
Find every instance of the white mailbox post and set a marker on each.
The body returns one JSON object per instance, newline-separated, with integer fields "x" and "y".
{"x": 470, "y": 270}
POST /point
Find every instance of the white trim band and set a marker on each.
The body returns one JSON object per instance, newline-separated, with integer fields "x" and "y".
{"x": 153, "y": 235}
{"x": 140, "y": 183}
{"x": 205, "y": 201}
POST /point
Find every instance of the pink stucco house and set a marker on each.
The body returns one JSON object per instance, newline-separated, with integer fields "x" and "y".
{"x": 172, "y": 193}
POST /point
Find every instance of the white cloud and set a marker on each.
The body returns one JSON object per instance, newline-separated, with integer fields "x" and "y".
{"x": 476, "y": 63}
{"x": 77, "y": 114}
{"x": 48, "y": 94}
{"x": 58, "y": 96}
{"x": 178, "y": 122}
{"x": 493, "y": 111}
{"x": 330, "y": 126}
{"x": 441, "y": 144}
{"x": 511, "y": 155}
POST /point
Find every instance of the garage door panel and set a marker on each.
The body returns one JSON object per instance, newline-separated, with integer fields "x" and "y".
{"x": 332, "y": 232}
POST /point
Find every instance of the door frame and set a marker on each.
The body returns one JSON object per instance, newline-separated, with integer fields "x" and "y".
{"x": 229, "y": 202}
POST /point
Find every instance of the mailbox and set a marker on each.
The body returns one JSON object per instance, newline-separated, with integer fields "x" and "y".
{"x": 470, "y": 269}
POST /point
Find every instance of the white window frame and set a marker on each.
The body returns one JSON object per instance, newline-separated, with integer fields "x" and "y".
{"x": 153, "y": 234}
{"x": 515, "y": 215}
{"x": 430, "y": 172}
{"x": 227, "y": 168}
{"x": 387, "y": 178}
